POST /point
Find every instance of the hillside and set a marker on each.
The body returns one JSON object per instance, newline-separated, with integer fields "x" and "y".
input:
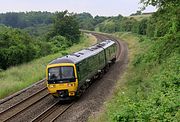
{"x": 140, "y": 17}
{"x": 149, "y": 90}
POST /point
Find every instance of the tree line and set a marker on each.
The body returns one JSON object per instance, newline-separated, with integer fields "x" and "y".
{"x": 18, "y": 46}
{"x": 164, "y": 21}
{"x": 25, "y": 36}
{"x": 25, "y": 19}
{"x": 28, "y": 19}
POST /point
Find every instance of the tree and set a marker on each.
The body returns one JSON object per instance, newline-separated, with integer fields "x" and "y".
{"x": 143, "y": 27}
{"x": 160, "y": 3}
{"x": 165, "y": 20}
{"x": 23, "y": 20}
{"x": 85, "y": 21}
{"x": 16, "y": 47}
{"x": 66, "y": 25}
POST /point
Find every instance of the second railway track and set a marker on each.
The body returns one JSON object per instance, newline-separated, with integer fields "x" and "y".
{"x": 21, "y": 106}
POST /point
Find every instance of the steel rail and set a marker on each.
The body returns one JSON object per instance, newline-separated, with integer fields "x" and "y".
{"x": 24, "y": 100}
{"x": 46, "y": 113}
{"x": 59, "y": 114}
{"x": 22, "y": 110}
{"x": 20, "y": 92}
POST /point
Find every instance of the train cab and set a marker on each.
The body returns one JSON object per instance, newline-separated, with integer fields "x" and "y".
{"x": 62, "y": 79}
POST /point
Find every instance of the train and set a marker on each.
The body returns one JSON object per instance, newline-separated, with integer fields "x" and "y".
{"x": 67, "y": 77}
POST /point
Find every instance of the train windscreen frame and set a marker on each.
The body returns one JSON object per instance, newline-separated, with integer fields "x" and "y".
{"x": 61, "y": 74}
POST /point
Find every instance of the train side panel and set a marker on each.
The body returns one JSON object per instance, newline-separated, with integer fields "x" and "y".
{"x": 89, "y": 67}
{"x": 110, "y": 53}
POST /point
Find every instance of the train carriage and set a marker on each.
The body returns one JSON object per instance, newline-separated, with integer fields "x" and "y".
{"x": 69, "y": 75}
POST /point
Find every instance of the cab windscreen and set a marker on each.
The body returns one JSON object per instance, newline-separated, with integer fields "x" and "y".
{"x": 61, "y": 74}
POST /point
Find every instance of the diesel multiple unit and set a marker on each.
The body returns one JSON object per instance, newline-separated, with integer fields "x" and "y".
{"x": 68, "y": 76}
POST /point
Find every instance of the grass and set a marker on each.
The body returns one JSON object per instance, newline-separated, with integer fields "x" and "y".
{"x": 133, "y": 49}
{"x": 149, "y": 89}
{"x": 140, "y": 17}
{"x": 19, "y": 77}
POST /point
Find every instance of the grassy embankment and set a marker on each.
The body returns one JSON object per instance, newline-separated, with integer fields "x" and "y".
{"x": 19, "y": 77}
{"x": 149, "y": 89}
{"x": 140, "y": 17}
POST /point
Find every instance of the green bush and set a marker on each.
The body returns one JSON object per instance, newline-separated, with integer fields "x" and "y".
{"x": 153, "y": 84}
{"x": 59, "y": 43}
{"x": 16, "y": 47}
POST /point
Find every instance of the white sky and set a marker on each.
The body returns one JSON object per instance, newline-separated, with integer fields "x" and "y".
{"x": 95, "y": 7}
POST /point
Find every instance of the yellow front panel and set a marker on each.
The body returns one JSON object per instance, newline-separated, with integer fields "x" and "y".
{"x": 64, "y": 86}
{"x": 71, "y": 86}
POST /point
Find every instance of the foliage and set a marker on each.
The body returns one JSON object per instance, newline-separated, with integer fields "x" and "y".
{"x": 19, "y": 46}
{"x": 38, "y": 31}
{"x": 33, "y": 20}
{"x": 66, "y": 25}
{"x": 107, "y": 26}
{"x": 99, "y": 19}
{"x": 28, "y": 19}
{"x": 160, "y": 3}
{"x": 16, "y": 47}
{"x": 152, "y": 87}
{"x": 151, "y": 91}
{"x": 85, "y": 21}
{"x": 142, "y": 27}
{"x": 164, "y": 21}
{"x": 123, "y": 24}
{"x": 58, "y": 43}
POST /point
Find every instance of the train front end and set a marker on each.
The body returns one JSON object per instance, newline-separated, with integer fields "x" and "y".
{"x": 62, "y": 80}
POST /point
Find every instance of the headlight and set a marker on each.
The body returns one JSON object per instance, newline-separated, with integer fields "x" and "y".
{"x": 51, "y": 86}
{"x": 70, "y": 84}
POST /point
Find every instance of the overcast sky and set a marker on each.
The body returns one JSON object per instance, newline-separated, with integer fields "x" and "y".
{"x": 95, "y": 7}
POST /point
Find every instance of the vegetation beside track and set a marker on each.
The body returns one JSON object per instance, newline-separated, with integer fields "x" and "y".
{"x": 152, "y": 87}
{"x": 149, "y": 89}
{"x": 19, "y": 77}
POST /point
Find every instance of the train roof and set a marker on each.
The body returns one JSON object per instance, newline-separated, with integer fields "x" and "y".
{"x": 83, "y": 54}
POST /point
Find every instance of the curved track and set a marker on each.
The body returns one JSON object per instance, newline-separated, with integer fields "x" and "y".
{"x": 55, "y": 110}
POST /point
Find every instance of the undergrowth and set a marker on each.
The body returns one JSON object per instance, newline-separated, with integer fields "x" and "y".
{"x": 151, "y": 90}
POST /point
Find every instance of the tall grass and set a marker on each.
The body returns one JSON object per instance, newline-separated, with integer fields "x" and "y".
{"x": 19, "y": 77}
{"x": 149, "y": 89}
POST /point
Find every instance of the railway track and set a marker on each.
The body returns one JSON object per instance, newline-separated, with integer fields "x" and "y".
{"x": 52, "y": 113}
{"x": 23, "y": 105}
{"x": 20, "y": 92}
{"x": 55, "y": 110}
